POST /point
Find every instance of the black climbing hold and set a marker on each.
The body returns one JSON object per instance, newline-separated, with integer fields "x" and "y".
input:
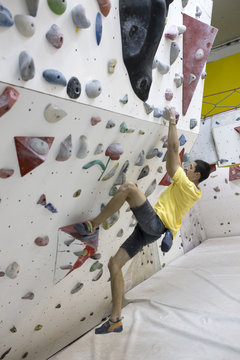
{"x": 74, "y": 88}
{"x": 142, "y": 24}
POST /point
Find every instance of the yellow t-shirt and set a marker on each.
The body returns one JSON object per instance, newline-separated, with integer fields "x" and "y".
{"x": 176, "y": 200}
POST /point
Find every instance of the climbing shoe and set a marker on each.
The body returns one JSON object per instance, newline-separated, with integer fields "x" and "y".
{"x": 84, "y": 228}
{"x": 110, "y": 326}
{"x": 167, "y": 241}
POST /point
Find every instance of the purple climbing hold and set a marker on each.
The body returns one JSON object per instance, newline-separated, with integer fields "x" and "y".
{"x": 55, "y": 36}
{"x": 54, "y": 77}
{"x": 182, "y": 140}
{"x": 42, "y": 241}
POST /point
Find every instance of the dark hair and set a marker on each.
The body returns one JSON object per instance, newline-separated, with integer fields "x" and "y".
{"x": 204, "y": 168}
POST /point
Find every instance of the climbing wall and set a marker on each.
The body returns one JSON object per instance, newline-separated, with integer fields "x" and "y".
{"x": 48, "y": 141}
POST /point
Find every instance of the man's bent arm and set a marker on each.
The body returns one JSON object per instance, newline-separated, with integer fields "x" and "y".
{"x": 173, "y": 160}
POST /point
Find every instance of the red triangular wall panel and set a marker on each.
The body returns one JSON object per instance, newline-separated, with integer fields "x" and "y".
{"x": 198, "y": 35}
{"x": 28, "y": 159}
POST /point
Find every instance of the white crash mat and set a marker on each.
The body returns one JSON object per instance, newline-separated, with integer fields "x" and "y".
{"x": 190, "y": 310}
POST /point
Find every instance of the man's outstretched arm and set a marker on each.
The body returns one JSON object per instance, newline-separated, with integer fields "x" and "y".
{"x": 173, "y": 159}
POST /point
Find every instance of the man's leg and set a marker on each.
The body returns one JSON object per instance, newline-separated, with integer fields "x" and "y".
{"x": 127, "y": 192}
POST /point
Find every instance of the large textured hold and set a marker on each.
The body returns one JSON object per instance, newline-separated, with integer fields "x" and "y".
{"x": 83, "y": 148}
{"x": 6, "y": 173}
{"x": 105, "y": 6}
{"x": 114, "y": 151}
{"x": 6, "y": 18}
{"x": 25, "y": 25}
{"x": 93, "y": 88}
{"x": 79, "y": 17}
{"x": 98, "y": 28}
{"x": 54, "y": 113}
{"x": 12, "y": 270}
{"x": 26, "y": 66}
{"x": 54, "y": 77}
{"x": 8, "y": 99}
{"x": 28, "y": 159}
{"x": 65, "y": 150}
{"x": 57, "y": 6}
{"x": 142, "y": 24}
{"x": 197, "y": 36}
{"x": 32, "y": 7}
{"x": 74, "y": 88}
{"x": 55, "y": 36}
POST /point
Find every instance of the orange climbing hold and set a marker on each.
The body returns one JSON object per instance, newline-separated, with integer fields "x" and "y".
{"x": 105, "y": 6}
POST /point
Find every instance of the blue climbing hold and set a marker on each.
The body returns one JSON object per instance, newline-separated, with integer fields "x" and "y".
{"x": 182, "y": 140}
{"x": 157, "y": 113}
{"x": 54, "y": 77}
{"x": 98, "y": 27}
{"x": 167, "y": 241}
{"x": 217, "y": 122}
{"x": 6, "y": 18}
{"x": 51, "y": 208}
{"x": 160, "y": 154}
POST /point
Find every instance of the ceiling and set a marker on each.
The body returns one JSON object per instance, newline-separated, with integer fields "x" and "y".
{"x": 226, "y": 17}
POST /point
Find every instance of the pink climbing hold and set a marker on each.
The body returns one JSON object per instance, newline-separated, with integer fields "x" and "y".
{"x": 105, "y": 6}
{"x": 172, "y": 32}
{"x": 8, "y": 99}
{"x": 6, "y": 173}
{"x": 114, "y": 151}
{"x": 95, "y": 120}
{"x": 237, "y": 129}
{"x": 168, "y": 94}
{"x": 42, "y": 241}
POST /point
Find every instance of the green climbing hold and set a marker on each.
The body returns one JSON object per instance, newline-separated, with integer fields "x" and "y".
{"x": 57, "y": 6}
{"x": 94, "y": 162}
{"x": 96, "y": 266}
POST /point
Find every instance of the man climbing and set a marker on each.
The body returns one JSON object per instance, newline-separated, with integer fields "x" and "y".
{"x": 164, "y": 217}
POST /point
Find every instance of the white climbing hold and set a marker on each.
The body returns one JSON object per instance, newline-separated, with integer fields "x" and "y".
{"x": 110, "y": 124}
{"x": 25, "y": 25}
{"x": 203, "y": 75}
{"x": 162, "y": 68}
{"x": 12, "y": 270}
{"x": 172, "y": 32}
{"x": 111, "y": 173}
{"x": 151, "y": 188}
{"x": 99, "y": 149}
{"x": 181, "y": 29}
{"x": 83, "y": 149}
{"x": 178, "y": 79}
{"x": 124, "y": 99}
{"x": 192, "y": 78}
{"x": 39, "y": 146}
{"x": 65, "y": 149}
{"x": 54, "y": 113}
{"x": 199, "y": 55}
{"x": 155, "y": 62}
{"x": 148, "y": 108}
{"x": 93, "y": 88}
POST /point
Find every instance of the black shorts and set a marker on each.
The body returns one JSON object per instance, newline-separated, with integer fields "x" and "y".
{"x": 148, "y": 229}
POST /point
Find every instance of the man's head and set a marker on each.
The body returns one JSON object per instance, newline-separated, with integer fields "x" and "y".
{"x": 198, "y": 171}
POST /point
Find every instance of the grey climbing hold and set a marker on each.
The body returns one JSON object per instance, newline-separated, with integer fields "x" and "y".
{"x": 12, "y": 270}
{"x": 124, "y": 99}
{"x": 140, "y": 159}
{"x": 39, "y": 146}
{"x": 203, "y": 75}
{"x": 192, "y": 78}
{"x": 99, "y": 149}
{"x": 111, "y": 173}
{"x": 79, "y": 17}
{"x": 6, "y": 18}
{"x": 181, "y": 29}
{"x": 193, "y": 123}
{"x": 96, "y": 256}
{"x": 83, "y": 148}
{"x": 123, "y": 127}
{"x": 98, "y": 276}
{"x": 93, "y": 88}
{"x": 25, "y": 25}
{"x": 198, "y": 12}
{"x": 111, "y": 65}
{"x": 121, "y": 178}
{"x": 26, "y": 66}
{"x": 110, "y": 124}
{"x": 32, "y": 7}
{"x": 184, "y": 3}
{"x": 55, "y": 36}
{"x": 157, "y": 113}
{"x": 74, "y": 88}
{"x": 111, "y": 220}
{"x": 144, "y": 172}
{"x": 162, "y": 68}
{"x": 178, "y": 79}
{"x": 152, "y": 153}
{"x": 76, "y": 288}
{"x": 155, "y": 62}
{"x": 120, "y": 233}
{"x": 65, "y": 150}
{"x": 95, "y": 120}
{"x": 174, "y": 52}
{"x": 148, "y": 108}
{"x": 54, "y": 77}
{"x": 54, "y": 113}
{"x": 151, "y": 188}
{"x": 160, "y": 169}
{"x": 186, "y": 157}
{"x": 133, "y": 221}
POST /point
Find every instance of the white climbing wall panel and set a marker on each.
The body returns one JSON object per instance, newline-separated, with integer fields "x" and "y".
{"x": 65, "y": 316}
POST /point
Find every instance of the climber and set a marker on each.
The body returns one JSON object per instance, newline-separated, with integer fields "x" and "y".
{"x": 164, "y": 217}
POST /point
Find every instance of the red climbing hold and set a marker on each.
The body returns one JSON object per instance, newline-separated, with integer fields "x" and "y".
{"x": 8, "y": 99}
{"x": 237, "y": 129}
{"x": 234, "y": 173}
